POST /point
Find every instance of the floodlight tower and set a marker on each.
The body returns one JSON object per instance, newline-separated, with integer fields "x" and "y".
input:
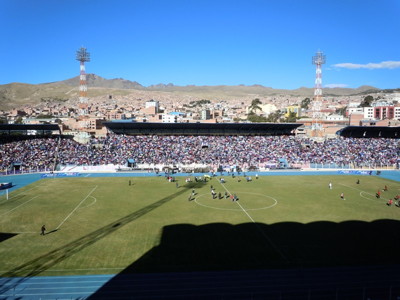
{"x": 318, "y": 60}
{"x": 82, "y": 56}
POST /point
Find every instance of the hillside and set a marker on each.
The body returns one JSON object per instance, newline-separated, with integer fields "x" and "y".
{"x": 14, "y": 95}
{"x": 94, "y": 80}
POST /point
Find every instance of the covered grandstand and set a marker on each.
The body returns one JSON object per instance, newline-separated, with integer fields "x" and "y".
{"x": 370, "y": 132}
{"x": 134, "y": 128}
{"x": 29, "y": 129}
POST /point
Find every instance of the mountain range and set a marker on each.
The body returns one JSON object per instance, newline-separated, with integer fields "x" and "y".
{"x": 14, "y": 95}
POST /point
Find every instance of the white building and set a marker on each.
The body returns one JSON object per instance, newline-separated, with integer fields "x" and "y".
{"x": 368, "y": 113}
{"x": 266, "y": 109}
{"x": 334, "y": 117}
{"x": 397, "y": 113}
{"x": 205, "y": 114}
{"x": 153, "y": 103}
{"x": 382, "y": 112}
{"x": 355, "y": 110}
{"x": 354, "y": 104}
{"x": 167, "y": 118}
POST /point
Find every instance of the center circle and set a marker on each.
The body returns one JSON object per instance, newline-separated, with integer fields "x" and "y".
{"x": 202, "y": 201}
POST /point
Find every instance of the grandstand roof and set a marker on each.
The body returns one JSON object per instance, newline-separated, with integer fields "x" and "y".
{"x": 370, "y": 132}
{"x": 40, "y": 128}
{"x": 135, "y": 128}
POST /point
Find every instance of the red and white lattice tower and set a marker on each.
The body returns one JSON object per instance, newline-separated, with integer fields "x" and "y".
{"x": 318, "y": 60}
{"x": 83, "y": 56}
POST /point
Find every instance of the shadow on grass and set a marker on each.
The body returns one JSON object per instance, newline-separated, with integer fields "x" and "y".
{"x": 46, "y": 261}
{"x": 6, "y": 236}
{"x": 201, "y": 261}
{"x": 52, "y": 231}
{"x": 221, "y": 246}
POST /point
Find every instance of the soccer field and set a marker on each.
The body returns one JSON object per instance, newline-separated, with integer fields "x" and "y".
{"x": 105, "y": 225}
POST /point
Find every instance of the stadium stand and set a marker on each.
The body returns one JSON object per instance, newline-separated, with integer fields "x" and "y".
{"x": 132, "y": 128}
{"x": 38, "y": 153}
{"x": 370, "y": 132}
{"x": 26, "y": 129}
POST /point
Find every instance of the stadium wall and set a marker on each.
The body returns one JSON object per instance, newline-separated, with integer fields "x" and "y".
{"x": 201, "y": 168}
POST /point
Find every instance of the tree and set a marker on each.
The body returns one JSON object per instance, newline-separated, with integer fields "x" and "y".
{"x": 341, "y": 111}
{"x": 255, "y": 105}
{"x": 18, "y": 120}
{"x": 292, "y": 117}
{"x": 275, "y": 116}
{"x": 305, "y": 103}
{"x": 367, "y": 101}
{"x": 252, "y": 117}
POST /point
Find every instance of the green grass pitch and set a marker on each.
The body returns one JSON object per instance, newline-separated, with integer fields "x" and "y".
{"x": 104, "y": 225}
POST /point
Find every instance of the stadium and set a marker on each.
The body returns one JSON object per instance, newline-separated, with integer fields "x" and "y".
{"x": 195, "y": 211}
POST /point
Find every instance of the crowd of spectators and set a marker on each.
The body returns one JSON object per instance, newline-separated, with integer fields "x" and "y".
{"x": 41, "y": 153}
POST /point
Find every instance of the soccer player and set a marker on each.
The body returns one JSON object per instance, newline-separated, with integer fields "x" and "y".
{"x": 330, "y": 185}
{"x": 342, "y": 196}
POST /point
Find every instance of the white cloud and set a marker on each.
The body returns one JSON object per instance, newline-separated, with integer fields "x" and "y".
{"x": 371, "y": 66}
{"x": 335, "y": 85}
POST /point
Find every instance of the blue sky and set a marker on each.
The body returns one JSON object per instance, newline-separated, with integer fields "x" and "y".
{"x": 203, "y": 42}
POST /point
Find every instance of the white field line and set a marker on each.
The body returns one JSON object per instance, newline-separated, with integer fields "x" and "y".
{"x": 237, "y": 209}
{"x": 259, "y": 229}
{"x": 361, "y": 191}
{"x": 66, "y": 218}
{"x": 18, "y": 206}
{"x": 237, "y": 202}
{"x": 14, "y": 196}
{"x": 94, "y": 201}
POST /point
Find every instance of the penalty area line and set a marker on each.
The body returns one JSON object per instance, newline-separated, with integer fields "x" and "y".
{"x": 361, "y": 191}
{"x": 70, "y": 214}
{"x": 18, "y": 206}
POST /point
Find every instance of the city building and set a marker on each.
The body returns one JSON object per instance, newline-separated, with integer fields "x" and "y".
{"x": 205, "y": 114}
{"x": 292, "y": 109}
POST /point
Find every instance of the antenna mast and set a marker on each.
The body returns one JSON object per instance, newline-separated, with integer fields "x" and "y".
{"x": 83, "y": 56}
{"x": 318, "y": 60}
